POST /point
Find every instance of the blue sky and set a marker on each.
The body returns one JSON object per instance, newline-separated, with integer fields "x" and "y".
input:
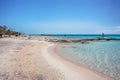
{"x": 61, "y": 16}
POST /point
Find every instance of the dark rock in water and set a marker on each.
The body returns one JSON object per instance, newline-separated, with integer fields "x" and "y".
{"x": 39, "y": 77}
{"x": 5, "y": 76}
{"x": 76, "y": 40}
{"x": 84, "y": 42}
{"x": 63, "y": 41}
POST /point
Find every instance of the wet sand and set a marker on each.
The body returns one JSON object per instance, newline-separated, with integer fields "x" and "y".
{"x": 71, "y": 70}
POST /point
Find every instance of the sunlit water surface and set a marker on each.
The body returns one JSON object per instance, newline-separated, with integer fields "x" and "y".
{"x": 103, "y": 56}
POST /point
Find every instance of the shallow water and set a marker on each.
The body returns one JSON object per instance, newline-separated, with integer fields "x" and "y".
{"x": 101, "y": 56}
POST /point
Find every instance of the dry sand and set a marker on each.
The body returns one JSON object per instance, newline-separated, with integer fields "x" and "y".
{"x": 34, "y": 60}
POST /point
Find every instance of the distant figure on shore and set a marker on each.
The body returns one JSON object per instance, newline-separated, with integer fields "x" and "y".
{"x": 102, "y": 35}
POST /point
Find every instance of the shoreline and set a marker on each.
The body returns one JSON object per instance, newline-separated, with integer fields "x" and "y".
{"x": 93, "y": 75}
{"x": 34, "y": 59}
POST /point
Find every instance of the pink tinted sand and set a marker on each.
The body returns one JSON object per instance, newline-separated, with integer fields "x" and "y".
{"x": 31, "y": 59}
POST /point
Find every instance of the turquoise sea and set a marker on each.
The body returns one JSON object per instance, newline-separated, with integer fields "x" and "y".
{"x": 101, "y": 56}
{"x": 85, "y": 35}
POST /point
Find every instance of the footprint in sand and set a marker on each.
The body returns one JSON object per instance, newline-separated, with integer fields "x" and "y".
{"x": 6, "y": 76}
{"x": 38, "y": 77}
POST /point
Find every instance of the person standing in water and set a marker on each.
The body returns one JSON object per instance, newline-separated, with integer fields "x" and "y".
{"x": 102, "y": 35}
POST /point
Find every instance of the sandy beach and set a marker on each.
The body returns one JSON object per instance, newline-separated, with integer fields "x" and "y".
{"x": 22, "y": 59}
